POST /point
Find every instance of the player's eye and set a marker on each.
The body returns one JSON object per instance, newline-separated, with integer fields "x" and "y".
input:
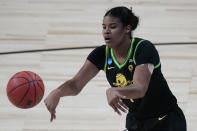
{"x": 113, "y": 26}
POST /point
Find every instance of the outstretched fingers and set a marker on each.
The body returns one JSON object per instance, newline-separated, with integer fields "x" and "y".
{"x": 51, "y": 110}
{"x": 119, "y": 106}
{"x": 122, "y": 106}
{"x": 116, "y": 109}
{"x": 53, "y": 116}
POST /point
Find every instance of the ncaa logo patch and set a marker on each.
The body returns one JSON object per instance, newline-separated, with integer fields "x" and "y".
{"x": 109, "y": 61}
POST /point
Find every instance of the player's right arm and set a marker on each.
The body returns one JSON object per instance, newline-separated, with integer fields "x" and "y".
{"x": 71, "y": 87}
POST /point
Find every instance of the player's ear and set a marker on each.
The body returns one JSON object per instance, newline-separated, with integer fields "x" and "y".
{"x": 128, "y": 28}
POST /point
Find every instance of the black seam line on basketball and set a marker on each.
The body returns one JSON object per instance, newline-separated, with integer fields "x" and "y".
{"x": 87, "y": 47}
{"x": 18, "y": 77}
{"x": 34, "y": 90}
{"x": 24, "y": 95}
{"x": 15, "y": 75}
{"x": 34, "y": 86}
{"x": 24, "y": 78}
{"x": 38, "y": 83}
{"x": 39, "y": 86}
{"x": 20, "y": 86}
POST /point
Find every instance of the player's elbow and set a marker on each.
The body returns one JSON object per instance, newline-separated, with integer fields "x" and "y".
{"x": 76, "y": 91}
{"x": 142, "y": 91}
{"x": 141, "y": 94}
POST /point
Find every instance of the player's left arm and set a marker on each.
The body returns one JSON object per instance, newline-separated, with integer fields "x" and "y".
{"x": 146, "y": 59}
{"x": 141, "y": 79}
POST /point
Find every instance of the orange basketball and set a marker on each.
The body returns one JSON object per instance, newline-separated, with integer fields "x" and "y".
{"x": 25, "y": 89}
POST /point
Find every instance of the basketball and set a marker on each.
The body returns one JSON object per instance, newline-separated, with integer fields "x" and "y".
{"x": 25, "y": 89}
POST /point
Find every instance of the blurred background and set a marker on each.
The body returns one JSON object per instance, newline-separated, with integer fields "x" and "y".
{"x": 50, "y": 24}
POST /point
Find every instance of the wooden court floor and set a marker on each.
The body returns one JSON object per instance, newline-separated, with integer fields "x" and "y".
{"x": 46, "y": 24}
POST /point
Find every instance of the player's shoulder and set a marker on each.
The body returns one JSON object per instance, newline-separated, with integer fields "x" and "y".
{"x": 142, "y": 45}
{"x": 101, "y": 47}
{"x": 98, "y": 51}
{"x": 139, "y": 40}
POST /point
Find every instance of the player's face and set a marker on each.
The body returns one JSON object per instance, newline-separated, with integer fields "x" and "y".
{"x": 113, "y": 31}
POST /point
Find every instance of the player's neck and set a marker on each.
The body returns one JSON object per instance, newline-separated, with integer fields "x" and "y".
{"x": 122, "y": 50}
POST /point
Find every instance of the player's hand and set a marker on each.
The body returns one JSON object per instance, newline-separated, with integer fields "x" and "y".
{"x": 51, "y": 103}
{"x": 113, "y": 98}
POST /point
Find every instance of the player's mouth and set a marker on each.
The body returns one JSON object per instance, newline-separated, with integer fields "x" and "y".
{"x": 108, "y": 39}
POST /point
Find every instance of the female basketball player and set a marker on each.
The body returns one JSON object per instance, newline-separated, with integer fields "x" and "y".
{"x": 133, "y": 69}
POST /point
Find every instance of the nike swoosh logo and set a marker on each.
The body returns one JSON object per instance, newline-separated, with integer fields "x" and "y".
{"x": 109, "y": 68}
{"x": 161, "y": 118}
